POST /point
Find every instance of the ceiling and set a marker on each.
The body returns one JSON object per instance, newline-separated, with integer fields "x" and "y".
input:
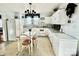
{"x": 44, "y": 9}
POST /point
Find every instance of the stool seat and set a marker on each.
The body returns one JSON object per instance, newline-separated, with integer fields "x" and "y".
{"x": 33, "y": 38}
{"x": 26, "y": 42}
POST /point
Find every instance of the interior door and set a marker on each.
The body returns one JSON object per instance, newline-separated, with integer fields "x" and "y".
{"x": 11, "y": 29}
{"x": 1, "y": 30}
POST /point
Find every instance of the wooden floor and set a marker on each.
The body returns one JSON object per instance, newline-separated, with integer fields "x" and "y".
{"x": 43, "y": 48}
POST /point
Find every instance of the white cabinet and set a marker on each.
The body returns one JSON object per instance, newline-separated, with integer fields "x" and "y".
{"x": 59, "y": 17}
{"x": 67, "y": 47}
{"x": 63, "y": 45}
{"x": 11, "y": 30}
{"x": 67, "y": 44}
{"x": 42, "y": 32}
{"x": 38, "y": 31}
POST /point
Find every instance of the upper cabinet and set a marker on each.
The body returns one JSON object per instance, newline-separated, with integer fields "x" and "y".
{"x": 59, "y": 17}
{"x": 47, "y": 20}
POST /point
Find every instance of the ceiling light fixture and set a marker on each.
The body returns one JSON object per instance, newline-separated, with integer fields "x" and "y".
{"x": 30, "y": 12}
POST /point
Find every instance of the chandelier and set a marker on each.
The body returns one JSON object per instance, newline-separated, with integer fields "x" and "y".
{"x": 31, "y": 13}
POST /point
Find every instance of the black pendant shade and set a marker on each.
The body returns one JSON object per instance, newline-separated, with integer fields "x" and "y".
{"x": 31, "y": 13}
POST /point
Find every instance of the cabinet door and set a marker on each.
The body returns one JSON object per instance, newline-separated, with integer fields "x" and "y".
{"x": 11, "y": 30}
{"x": 67, "y": 47}
{"x": 17, "y": 21}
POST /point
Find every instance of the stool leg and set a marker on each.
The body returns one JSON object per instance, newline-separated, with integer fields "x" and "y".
{"x": 31, "y": 45}
{"x": 21, "y": 50}
{"x": 29, "y": 50}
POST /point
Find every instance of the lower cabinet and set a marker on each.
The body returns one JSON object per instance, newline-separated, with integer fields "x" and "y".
{"x": 42, "y": 31}
{"x": 63, "y": 45}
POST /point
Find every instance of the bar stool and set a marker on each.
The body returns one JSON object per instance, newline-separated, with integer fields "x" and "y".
{"x": 34, "y": 40}
{"x": 26, "y": 44}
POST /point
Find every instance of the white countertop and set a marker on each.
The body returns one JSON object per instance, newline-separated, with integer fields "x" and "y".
{"x": 62, "y": 35}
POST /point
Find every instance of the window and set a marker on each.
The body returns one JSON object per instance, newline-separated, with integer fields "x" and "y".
{"x": 35, "y": 20}
{"x": 28, "y": 21}
{"x": 31, "y": 21}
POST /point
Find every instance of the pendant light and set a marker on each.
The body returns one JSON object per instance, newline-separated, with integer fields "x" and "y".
{"x": 30, "y": 12}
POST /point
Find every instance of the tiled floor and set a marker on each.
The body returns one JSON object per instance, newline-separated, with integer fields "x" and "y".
{"x": 43, "y": 48}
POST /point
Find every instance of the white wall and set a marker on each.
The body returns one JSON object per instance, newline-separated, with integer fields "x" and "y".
{"x": 3, "y": 24}
{"x": 43, "y": 8}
